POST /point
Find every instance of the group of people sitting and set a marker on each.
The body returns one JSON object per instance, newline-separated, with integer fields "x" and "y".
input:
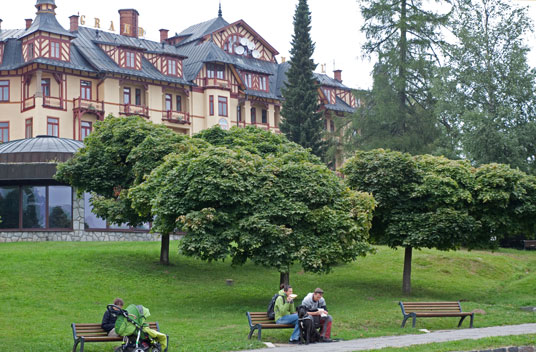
{"x": 314, "y": 303}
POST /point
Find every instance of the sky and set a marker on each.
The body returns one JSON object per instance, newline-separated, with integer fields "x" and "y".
{"x": 335, "y": 25}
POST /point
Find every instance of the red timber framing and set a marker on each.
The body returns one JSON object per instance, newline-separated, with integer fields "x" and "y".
{"x": 1, "y": 52}
{"x": 347, "y": 96}
{"x": 256, "y": 81}
{"x": 161, "y": 63}
{"x": 129, "y": 59}
{"x": 40, "y": 45}
{"x": 242, "y": 30}
{"x": 231, "y": 81}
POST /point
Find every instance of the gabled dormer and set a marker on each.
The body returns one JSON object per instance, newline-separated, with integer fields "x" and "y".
{"x": 240, "y": 39}
{"x": 124, "y": 56}
{"x": 168, "y": 64}
{"x": 45, "y": 37}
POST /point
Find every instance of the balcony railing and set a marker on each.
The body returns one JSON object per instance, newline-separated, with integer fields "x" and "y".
{"x": 28, "y": 103}
{"x": 88, "y": 105}
{"x": 129, "y": 109}
{"x": 176, "y": 117}
{"x": 53, "y": 102}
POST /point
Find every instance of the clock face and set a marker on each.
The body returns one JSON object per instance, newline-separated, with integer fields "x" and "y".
{"x": 223, "y": 124}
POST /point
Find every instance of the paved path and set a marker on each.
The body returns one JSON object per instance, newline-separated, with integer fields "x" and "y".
{"x": 408, "y": 340}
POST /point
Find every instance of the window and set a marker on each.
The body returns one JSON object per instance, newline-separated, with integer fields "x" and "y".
{"x": 247, "y": 80}
{"x": 264, "y": 116}
{"x": 85, "y": 90}
{"x": 85, "y": 129}
{"x": 222, "y": 106}
{"x": 4, "y": 91}
{"x": 216, "y": 70}
{"x": 253, "y": 115}
{"x": 211, "y": 105}
{"x": 53, "y": 127}
{"x": 172, "y": 67}
{"x": 169, "y": 103}
{"x": 45, "y": 87}
{"x": 239, "y": 113}
{"x": 34, "y": 207}
{"x": 91, "y": 221}
{"x": 126, "y": 95}
{"x": 332, "y": 125}
{"x": 29, "y": 128}
{"x": 327, "y": 93}
{"x": 60, "y": 207}
{"x": 4, "y": 132}
{"x": 130, "y": 59}
{"x": 179, "y": 103}
{"x": 326, "y": 125}
{"x": 9, "y": 207}
{"x": 54, "y": 50}
{"x": 262, "y": 83}
{"x": 31, "y": 51}
{"x": 138, "y": 97}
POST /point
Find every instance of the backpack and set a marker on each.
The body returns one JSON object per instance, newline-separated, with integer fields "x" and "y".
{"x": 270, "y": 312}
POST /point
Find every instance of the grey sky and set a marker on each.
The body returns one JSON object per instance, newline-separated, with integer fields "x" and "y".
{"x": 335, "y": 27}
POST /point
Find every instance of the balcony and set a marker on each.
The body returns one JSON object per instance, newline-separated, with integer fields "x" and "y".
{"x": 176, "y": 117}
{"x": 217, "y": 83}
{"x": 129, "y": 109}
{"x": 54, "y": 103}
{"x": 88, "y": 105}
{"x": 28, "y": 103}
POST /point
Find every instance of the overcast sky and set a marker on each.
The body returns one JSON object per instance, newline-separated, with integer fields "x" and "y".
{"x": 335, "y": 24}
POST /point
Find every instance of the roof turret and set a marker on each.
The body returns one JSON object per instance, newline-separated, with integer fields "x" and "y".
{"x": 46, "y": 6}
{"x": 46, "y": 20}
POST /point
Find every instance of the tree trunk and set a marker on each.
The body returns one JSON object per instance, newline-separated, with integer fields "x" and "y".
{"x": 164, "y": 250}
{"x": 284, "y": 278}
{"x": 406, "y": 279}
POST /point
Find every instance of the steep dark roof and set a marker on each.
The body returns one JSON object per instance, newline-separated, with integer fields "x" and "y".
{"x": 340, "y": 105}
{"x": 199, "y": 30}
{"x": 325, "y": 80}
{"x": 42, "y": 2}
{"x": 46, "y": 22}
{"x": 87, "y": 40}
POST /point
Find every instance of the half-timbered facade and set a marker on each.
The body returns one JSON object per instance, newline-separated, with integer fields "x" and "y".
{"x": 59, "y": 82}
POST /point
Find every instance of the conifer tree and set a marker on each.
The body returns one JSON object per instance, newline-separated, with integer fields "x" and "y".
{"x": 302, "y": 122}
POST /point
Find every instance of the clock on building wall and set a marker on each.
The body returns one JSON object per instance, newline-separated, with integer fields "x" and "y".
{"x": 224, "y": 124}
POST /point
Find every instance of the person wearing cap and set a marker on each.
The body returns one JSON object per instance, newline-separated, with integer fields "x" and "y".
{"x": 285, "y": 312}
{"x": 108, "y": 319}
{"x": 316, "y": 307}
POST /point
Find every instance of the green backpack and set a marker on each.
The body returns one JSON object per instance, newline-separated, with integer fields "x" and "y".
{"x": 139, "y": 314}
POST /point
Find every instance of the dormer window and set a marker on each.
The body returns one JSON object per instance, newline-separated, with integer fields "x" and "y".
{"x": 216, "y": 71}
{"x": 327, "y": 93}
{"x": 130, "y": 59}
{"x": 172, "y": 67}
{"x": 256, "y": 81}
{"x": 55, "y": 50}
{"x": 31, "y": 52}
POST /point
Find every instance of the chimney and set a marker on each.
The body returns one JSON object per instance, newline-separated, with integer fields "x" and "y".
{"x": 337, "y": 74}
{"x": 163, "y": 35}
{"x": 74, "y": 23}
{"x": 28, "y": 22}
{"x": 283, "y": 59}
{"x": 128, "y": 22}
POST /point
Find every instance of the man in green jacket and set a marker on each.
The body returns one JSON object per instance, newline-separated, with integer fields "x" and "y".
{"x": 285, "y": 312}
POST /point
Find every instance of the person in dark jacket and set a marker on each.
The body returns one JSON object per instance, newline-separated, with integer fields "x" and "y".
{"x": 108, "y": 320}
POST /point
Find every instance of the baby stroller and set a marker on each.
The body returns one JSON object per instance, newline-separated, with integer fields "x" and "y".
{"x": 137, "y": 336}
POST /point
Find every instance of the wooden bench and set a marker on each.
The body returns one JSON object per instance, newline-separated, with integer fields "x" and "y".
{"x": 529, "y": 244}
{"x": 260, "y": 320}
{"x": 83, "y": 333}
{"x": 432, "y": 310}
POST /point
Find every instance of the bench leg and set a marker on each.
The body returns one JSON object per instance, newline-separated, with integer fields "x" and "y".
{"x": 259, "y": 334}
{"x": 404, "y": 321}
{"x": 76, "y": 342}
{"x": 461, "y": 321}
{"x": 472, "y": 318}
{"x": 414, "y": 317}
{"x": 251, "y": 332}
{"x": 82, "y": 345}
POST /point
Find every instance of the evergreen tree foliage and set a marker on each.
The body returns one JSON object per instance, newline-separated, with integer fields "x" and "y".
{"x": 487, "y": 90}
{"x": 302, "y": 123}
{"x": 398, "y": 114}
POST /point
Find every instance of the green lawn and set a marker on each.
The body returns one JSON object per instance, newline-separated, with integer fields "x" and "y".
{"x": 44, "y": 287}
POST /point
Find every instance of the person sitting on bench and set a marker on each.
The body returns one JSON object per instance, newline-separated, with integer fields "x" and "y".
{"x": 285, "y": 312}
{"x": 316, "y": 307}
{"x": 108, "y": 319}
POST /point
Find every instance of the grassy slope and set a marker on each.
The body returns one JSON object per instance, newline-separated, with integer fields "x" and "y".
{"x": 46, "y": 286}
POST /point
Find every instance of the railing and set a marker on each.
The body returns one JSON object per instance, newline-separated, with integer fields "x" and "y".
{"x": 97, "y": 106}
{"x": 216, "y": 82}
{"x": 28, "y": 103}
{"x": 176, "y": 117}
{"x": 129, "y": 109}
{"x": 53, "y": 102}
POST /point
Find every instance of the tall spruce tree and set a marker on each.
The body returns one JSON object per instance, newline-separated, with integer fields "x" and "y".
{"x": 405, "y": 37}
{"x": 302, "y": 123}
{"x": 487, "y": 90}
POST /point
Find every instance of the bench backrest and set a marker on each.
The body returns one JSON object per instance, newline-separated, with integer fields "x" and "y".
{"x": 430, "y": 307}
{"x": 529, "y": 243}
{"x": 259, "y": 318}
{"x": 95, "y": 330}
